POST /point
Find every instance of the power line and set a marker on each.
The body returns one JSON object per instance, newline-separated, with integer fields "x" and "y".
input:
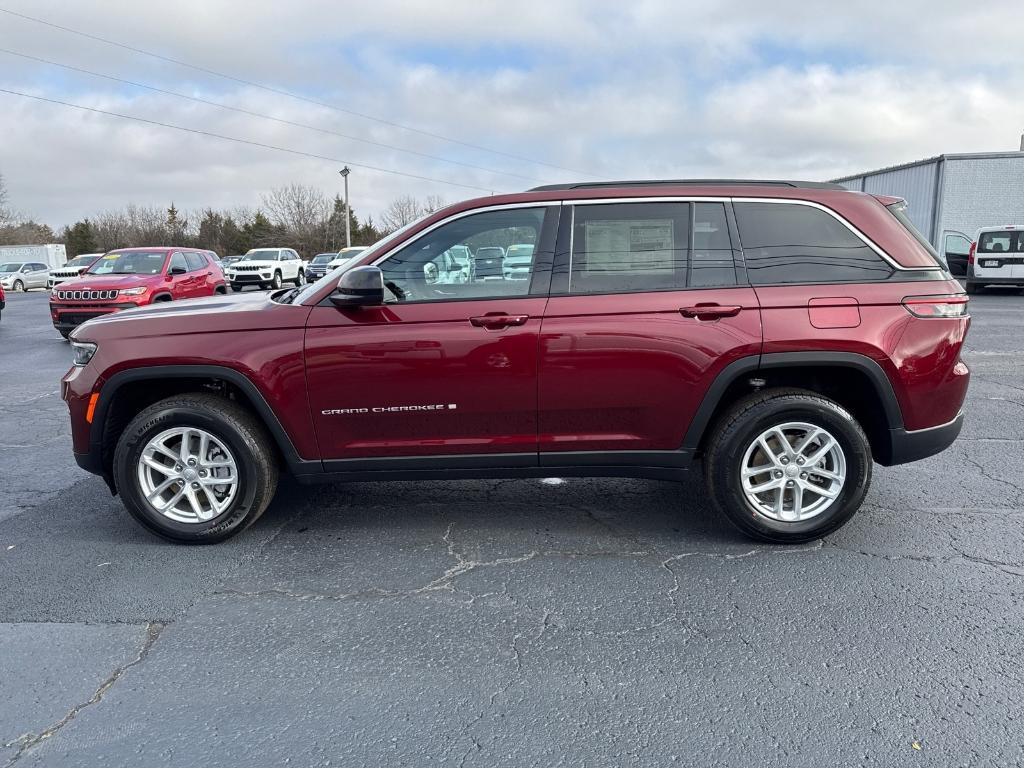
{"x": 290, "y": 94}
{"x": 243, "y": 141}
{"x": 263, "y": 116}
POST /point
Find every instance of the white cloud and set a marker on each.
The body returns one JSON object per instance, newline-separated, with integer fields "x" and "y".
{"x": 641, "y": 89}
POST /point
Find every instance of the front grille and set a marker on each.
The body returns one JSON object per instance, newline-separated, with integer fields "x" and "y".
{"x": 86, "y": 295}
{"x": 239, "y": 268}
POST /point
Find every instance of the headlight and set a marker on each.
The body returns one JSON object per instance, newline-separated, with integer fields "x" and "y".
{"x": 82, "y": 352}
{"x": 133, "y": 291}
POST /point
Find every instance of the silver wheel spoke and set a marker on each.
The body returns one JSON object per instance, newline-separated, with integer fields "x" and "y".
{"x": 174, "y": 464}
{"x": 805, "y": 477}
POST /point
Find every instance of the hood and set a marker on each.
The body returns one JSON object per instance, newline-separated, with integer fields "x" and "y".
{"x": 110, "y": 282}
{"x": 245, "y": 312}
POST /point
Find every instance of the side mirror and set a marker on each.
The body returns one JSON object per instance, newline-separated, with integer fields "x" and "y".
{"x": 177, "y": 271}
{"x": 359, "y": 287}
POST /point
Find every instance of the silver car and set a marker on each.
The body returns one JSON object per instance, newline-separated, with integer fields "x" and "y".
{"x": 22, "y": 275}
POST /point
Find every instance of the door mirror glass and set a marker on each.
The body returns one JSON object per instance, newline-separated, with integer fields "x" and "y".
{"x": 359, "y": 287}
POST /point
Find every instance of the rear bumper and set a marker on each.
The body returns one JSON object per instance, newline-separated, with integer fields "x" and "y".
{"x": 912, "y": 445}
{"x": 975, "y": 280}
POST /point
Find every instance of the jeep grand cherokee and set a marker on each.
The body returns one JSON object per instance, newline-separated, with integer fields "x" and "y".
{"x": 784, "y": 336}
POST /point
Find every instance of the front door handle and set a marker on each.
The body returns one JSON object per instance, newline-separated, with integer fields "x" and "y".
{"x": 496, "y": 321}
{"x": 710, "y": 311}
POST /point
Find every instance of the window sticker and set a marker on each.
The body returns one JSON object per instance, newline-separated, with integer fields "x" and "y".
{"x": 623, "y": 245}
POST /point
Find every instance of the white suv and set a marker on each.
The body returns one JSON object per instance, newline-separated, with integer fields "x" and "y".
{"x": 996, "y": 258}
{"x": 267, "y": 268}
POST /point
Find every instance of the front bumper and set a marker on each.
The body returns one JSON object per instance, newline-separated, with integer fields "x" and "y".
{"x": 913, "y": 445}
{"x": 67, "y": 317}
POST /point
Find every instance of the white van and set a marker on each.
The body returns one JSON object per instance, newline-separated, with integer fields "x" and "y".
{"x": 996, "y": 258}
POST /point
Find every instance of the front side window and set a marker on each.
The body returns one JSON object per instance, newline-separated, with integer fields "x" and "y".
{"x": 957, "y": 245}
{"x": 178, "y": 263}
{"x": 196, "y": 261}
{"x": 465, "y": 259}
{"x": 794, "y": 243}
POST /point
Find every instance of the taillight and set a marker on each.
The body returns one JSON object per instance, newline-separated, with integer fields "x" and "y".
{"x": 970, "y": 254}
{"x": 952, "y": 305}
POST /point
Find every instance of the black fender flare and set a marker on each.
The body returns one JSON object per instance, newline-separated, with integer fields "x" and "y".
{"x": 108, "y": 392}
{"x": 750, "y": 365}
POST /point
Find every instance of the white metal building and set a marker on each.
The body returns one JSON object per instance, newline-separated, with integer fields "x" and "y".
{"x": 950, "y": 197}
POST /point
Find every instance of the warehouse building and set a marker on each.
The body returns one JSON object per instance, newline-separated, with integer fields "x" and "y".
{"x": 950, "y": 197}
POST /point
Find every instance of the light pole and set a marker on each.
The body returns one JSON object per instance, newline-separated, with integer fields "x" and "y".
{"x": 348, "y": 232}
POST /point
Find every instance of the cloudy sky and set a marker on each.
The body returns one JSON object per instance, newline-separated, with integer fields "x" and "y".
{"x": 494, "y": 96}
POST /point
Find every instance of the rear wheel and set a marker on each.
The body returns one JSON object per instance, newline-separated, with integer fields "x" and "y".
{"x": 787, "y": 466}
{"x": 63, "y": 332}
{"x": 974, "y": 288}
{"x": 195, "y": 468}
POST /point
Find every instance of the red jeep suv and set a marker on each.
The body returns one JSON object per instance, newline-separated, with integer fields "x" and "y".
{"x": 134, "y": 277}
{"x": 783, "y": 335}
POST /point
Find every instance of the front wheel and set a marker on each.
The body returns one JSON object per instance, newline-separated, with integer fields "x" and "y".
{"x": 18, "y": 286}
{"x": 300, "y": 279}
{"x": 277, "y": 281}
{"x": 195, "y": 469}
{"x": 788, "y": 466}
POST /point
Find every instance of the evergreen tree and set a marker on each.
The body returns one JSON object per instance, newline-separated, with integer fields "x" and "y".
{"x": 79, "y": 238}
{"x": 175, "y": 226}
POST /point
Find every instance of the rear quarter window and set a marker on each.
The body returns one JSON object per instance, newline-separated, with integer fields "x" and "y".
{"x": 786, "y": 243}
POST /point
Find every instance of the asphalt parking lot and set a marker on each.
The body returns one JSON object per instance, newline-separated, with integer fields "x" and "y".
{"x": 585, "y": 622}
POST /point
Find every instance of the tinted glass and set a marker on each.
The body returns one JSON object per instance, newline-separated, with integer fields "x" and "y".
{"x": 629, "y": 247}
{"x": 195, "y": 261}
{"x": 178, "y": 262}
{"x": 464, "y": 259}
{"x": 1000, "y": 242}
{"x": 792, "y": 243}
{"x": 711, "y": 262}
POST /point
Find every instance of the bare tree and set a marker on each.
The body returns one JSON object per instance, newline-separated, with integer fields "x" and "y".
{"x": 402, "y": 210}
{"x": 432, "y": 203}
{"x": 5, "y": 213}
{"x": 302, "y": 211}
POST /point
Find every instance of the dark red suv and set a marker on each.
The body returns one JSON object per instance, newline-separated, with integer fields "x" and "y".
{"x": 134, "y": 277}
{"x": 784, "y": 335}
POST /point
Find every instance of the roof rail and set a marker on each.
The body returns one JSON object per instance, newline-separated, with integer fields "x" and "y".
{"x": 691, "y": 182}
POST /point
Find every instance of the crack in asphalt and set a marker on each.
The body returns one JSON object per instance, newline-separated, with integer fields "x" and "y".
{"x": 27, "y": 741}
{"x": 1013, "y": 569}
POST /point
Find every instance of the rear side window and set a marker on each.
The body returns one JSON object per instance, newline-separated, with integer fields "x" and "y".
{"x": 195, "y": 261}
{"x": 792, "y": 243}
{"x": 1003, "y": 241}
{"x": 643, "y": 247}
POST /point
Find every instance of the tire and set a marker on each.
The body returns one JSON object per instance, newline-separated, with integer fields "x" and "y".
{"x": 973, "y": 288}
{"x": 300, "y": 279}
{"x": 18, "y": 286}
{"x": 733, "y": 445}
{"x": 225, "y": 421}
{"x": 237, "y": 287}
{"x": 277, "y": 281}
{"x": 63, "y": 332}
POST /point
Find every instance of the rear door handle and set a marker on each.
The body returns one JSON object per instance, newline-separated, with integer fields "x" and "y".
{"x": 710, "y": 311}
{"x": 496, "y": 321}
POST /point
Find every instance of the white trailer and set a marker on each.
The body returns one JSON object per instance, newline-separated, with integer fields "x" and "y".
{"x": 53, "y": 256}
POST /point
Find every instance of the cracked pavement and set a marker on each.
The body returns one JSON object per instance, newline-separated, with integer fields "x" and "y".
{"x": 589, "y": 622}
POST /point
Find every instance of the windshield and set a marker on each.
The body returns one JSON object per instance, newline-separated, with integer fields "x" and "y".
{"x": 323, "y": 258}
{"x": 11, "y": 266}
{"x": 129, "y": 263}
{"x": 335, "y": 273}
{"x": 899, "y": 210}
{"x": 266, "y": 255}
{"x": 81, "y": 261}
